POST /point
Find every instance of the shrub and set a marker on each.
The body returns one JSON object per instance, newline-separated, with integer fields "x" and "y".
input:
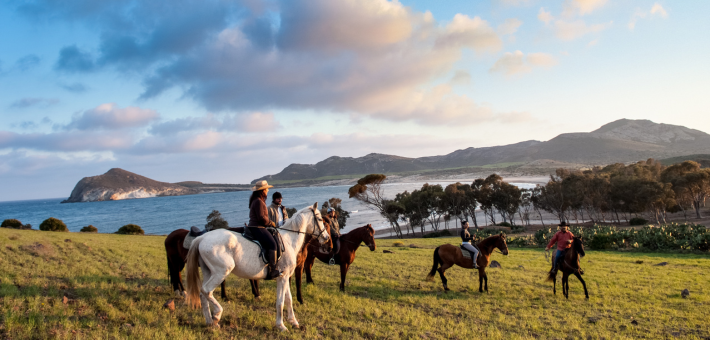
{"x": 398, "y": 244}
{"x": 504, "y": 224}
{"x": 130, "y": 229}
{"x": 638, "y": 221}
{"x": 89, "y": 229}
{"x": 11, "y": 223}
{"x": 516, "y": 229}
{"x": 438, "y": 234}
{"x": 53, "y": 224}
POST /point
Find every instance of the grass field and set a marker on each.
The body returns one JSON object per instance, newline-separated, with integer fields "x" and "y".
{"x": 118, "y": 285}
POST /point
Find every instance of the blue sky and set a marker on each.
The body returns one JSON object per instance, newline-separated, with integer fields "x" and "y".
{"x": 227, "y": 91}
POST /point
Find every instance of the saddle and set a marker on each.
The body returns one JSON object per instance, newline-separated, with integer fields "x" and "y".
{"x": 275, "y": 233}
{"x": 467, "y": 253}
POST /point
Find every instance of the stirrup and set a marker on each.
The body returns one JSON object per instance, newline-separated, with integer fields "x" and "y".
{"x": 332, "y": 260}
{"x": 270, "y": 275}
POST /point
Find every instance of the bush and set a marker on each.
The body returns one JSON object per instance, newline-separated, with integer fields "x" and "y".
{"x": 398, "y": 244}
{"x": 11, "y": 223}
{"x": 130, "y": 229}
{"x": 638, "y": 221}
{"x": 516, "y": 229}
{"x": 89, "y": 229}
{"x": 438, "y": 234}
{"x": 53, "y": 224}
{"x": 504, "y": 224}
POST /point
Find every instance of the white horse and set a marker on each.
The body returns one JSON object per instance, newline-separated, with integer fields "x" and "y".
{"x": 221, "y": 252}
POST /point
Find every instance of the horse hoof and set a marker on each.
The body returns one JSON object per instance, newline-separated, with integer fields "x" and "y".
{"x": 214, "y": 326}
{"x": 295, "y": 324}
{"x": 282, "y": 328}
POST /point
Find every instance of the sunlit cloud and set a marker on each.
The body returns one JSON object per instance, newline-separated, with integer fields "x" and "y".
{"x": 512, "y": 63}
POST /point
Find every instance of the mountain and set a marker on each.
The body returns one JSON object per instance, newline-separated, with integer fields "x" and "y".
{"x": 119, "y": 184}
{"x": 623, "y": 140}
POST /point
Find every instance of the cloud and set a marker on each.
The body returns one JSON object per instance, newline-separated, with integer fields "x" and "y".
{"x": 510, "y": 26}
{"x": 27, "y": 62}
{"x": 460, "y": 78}
{"x": 545, "y": 17}
{"x": 30, "y": 102}
{"x": 571, "y": 30}
{"x": 656, "y": 11}
{"x": 466, "y": 32}
{"x": 512, "y": 63}
{"x": 248, "y": 122}
{"x": 583, "y": 6}
{"x": 110, "y": 117}
{"x": 73, "y": 60}
{"x": 74, "y": 87}
{"x": 66, "y": 141}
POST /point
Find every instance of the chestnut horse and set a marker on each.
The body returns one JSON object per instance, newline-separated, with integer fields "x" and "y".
{"x": 448, "y": 255}
{"x": 570, "y": 265}
{"x": 349, "y": 243}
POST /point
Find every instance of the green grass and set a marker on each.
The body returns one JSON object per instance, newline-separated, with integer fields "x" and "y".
{"x": 120, "y": 284}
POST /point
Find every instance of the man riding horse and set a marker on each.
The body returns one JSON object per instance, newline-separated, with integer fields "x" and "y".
{"x": 259, "y": 221}
{"x": 563, "y": 238}
{"x": 334, "y": 233}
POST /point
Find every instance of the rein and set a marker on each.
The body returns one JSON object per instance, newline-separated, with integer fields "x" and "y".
{"x": 315, "y": 221}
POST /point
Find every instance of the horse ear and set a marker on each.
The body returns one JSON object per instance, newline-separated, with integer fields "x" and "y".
{"x": 315, "y": 206}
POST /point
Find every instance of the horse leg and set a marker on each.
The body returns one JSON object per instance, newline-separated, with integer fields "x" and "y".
{"x": 442, "y": 269}
{"x": 309, "y": 266}
{"x": 221, "y": 267}
{"x": 206, "y": 275}
{"x": 176, "y": 265}
{"x": 554, "y": 284}
{"x": 584, "y": 284}
{"x": 290, "y": 315}
{"x": 281, "y": 283}
{"x": 223, "y": 293}
{"x": 485, "y": 278}
{"x": 565, "y": 285}
{"x": 480, "y": 281}
{"x": 343, "y": 272}
{"x": 299, "y": 280}
{"x": 255, "y": 288}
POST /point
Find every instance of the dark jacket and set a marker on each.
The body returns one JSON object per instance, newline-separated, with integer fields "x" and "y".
{"x": 259, "y": 215}
{"x": 466, "y": 236}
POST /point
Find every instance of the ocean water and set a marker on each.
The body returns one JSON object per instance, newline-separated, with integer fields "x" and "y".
{"x": 162, "y": 215}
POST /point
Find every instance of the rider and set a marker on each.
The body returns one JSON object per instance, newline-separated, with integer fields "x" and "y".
{"x": 258, "y": 221}
{"x": 564, "y": 241}
{"x": 466, "y": 239}
{"x": 277, "y": 212}
{"x": 334, "y": 232}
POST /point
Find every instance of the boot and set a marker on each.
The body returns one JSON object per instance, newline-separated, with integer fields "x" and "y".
{"x": 272, "y": 271}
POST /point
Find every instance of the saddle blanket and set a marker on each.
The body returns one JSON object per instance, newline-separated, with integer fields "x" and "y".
{"x": 467, "y": 254}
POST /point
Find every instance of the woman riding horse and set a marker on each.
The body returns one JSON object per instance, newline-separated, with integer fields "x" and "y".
{"x": 258, "y": 221}
{"x": 466, "y": 239}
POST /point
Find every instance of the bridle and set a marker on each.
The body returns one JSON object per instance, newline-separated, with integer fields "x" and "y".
{"x": 315, "y": 221}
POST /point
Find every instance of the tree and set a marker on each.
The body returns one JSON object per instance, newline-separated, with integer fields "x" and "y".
{"x": 342, "y": 214}
{"x": 369, "y": 191}
{"x": 454, "y": 200}
{"x": 130, "y": 229}
{"x": 690, "y": 181}
{"x": 53, "y": 224}
{"x": 215, "y": 221}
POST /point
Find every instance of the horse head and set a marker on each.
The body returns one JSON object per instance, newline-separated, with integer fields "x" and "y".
{"x": 369, "y": 237}
{"x": 319, "y": 229}
{"x": 578, "y": 246}
{"x": 502, "y": 245}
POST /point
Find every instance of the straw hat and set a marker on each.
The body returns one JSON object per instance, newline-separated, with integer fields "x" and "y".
{"x": 261, "y": 185}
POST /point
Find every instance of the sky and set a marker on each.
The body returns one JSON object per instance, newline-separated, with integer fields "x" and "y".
{"x": 228, "y": 91}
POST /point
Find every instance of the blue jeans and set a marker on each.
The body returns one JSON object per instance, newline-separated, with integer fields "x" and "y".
{"x": 558, "y": 258}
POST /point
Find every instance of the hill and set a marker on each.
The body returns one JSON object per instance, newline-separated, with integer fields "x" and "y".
{"x": 119, "y": 184}
{"x": 623, "y": 140}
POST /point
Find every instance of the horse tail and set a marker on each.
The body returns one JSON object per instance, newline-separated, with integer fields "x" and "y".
{"x": 169, "y": 266}
{"x": 437, "y": 261}
{"x": 193, "y": 274}
{"x": 551, "y": 277}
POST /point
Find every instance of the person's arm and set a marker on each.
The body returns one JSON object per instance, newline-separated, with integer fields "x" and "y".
{"x": 552, "y": 241}
{"x": 263, "y": 216}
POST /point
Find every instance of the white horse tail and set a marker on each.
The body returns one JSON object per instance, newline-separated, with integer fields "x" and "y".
{"x": 193, "y": 275}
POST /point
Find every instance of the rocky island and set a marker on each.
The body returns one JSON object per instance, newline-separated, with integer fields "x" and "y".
{"x": 119, "y": 184}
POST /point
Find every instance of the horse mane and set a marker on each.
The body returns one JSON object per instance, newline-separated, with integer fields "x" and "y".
{"x": 487, "y": 240}
{"x": 296, "y": 218}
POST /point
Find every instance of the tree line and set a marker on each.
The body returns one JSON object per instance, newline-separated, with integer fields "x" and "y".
{"x": 601, "y": 195}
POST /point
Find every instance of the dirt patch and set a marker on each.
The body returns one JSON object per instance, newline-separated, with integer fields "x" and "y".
{"x": 39, "y": 249}
{"x": 14, "y": 237}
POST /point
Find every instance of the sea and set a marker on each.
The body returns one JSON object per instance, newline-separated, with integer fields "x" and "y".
{"x": 162, "y": 215}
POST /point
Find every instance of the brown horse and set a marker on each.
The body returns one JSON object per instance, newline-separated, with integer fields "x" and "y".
{"x": 570, "y": 265}
{"x": 349, "y": 243}
{"x": 448, "y": 255}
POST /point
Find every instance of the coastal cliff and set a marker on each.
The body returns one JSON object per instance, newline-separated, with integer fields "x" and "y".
{"x": 119, "y": 184}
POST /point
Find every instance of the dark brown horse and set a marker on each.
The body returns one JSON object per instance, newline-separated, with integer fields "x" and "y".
{"x": 449, "y": 255}
{"x": 570, "y": 265}
{"x": 349, "y": 244}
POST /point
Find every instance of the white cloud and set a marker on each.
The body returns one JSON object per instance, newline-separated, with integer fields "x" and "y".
{"x": 656, "y": 11}
{"x": 510, "y": 26}
{"x": 512, "y": 63}
{"x": 258, "y": 122}
{"x": 109, "y": 116}
{"x": 583, "y": 6}
{"x": 475, "y": 33}
{"x": 571, "y": 30}
{"x": 545, "y": 17}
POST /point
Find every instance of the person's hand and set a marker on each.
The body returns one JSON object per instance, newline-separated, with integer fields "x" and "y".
{"x": 547, "y": 248}
{"x": 569, "y": 241}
